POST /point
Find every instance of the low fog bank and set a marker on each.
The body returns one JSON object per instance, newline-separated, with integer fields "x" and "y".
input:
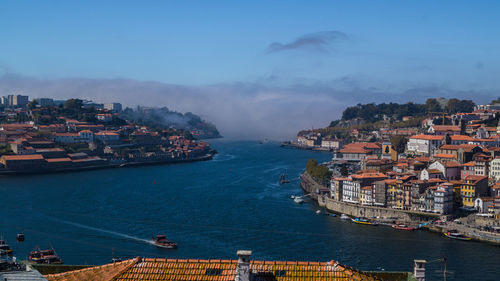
{"x": 254, "y": 110}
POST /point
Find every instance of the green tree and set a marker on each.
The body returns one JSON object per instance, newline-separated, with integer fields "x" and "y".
{"x": 432, "y": 105}
{"x": 73, "y": 104}
{"x": 32, "y": 104}
{"x": 398, "y": 143}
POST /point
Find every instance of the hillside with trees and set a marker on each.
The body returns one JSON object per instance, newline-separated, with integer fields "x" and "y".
{"x": 163, "y": 118}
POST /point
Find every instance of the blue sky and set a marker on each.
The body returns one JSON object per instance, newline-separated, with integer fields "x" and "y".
{"x": 270, "y": 64}
{"x": 204, "y": 42}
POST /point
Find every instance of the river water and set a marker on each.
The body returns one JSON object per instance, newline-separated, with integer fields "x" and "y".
{"x": 212, "y": 209}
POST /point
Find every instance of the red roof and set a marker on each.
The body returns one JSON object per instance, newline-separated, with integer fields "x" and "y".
{"x": 446, "y": 128}
{"x": 23, "y": 157}
{"x": 426, "y": 137}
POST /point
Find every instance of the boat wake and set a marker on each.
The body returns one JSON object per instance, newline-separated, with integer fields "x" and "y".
{"x": 114, "y": 233}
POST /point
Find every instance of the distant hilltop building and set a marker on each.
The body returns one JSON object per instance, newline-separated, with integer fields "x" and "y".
{"x": 114, "y": 107}
{"x": 14, "y": 101}
{"x": 45, "y": 101}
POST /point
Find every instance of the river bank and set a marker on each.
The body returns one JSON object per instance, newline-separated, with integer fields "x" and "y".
{"x": 108, "y": 165}
{"x": 292, "y": 145}
{"x": 388, "y": 217}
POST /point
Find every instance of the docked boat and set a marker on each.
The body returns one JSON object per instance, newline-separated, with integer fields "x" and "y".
{"x": 298, "y": 200}
{"x": 292, "y": 196}
{"x": 44, "y": 257}
{"x": 4, "y": 248}
{"x": 345, "y": 217}
{"x": 361, "y": 221}
{"x": 455, "y": 235}
{"x": 403, "y": 227}
{"x": 161, "y": 241}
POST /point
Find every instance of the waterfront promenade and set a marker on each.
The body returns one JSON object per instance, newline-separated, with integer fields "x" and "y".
{"x": 386, "y": 216}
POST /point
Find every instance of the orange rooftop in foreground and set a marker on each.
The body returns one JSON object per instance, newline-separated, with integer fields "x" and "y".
{"x": 242, "y": 269}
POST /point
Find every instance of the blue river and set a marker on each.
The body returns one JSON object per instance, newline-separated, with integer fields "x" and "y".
{"x": 212, "y": 209}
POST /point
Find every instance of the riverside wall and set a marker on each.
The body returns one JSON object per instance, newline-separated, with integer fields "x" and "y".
{"x": 310, "y": 186}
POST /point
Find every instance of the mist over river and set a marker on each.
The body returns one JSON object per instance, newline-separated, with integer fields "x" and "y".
{"x": 212, "y": 209}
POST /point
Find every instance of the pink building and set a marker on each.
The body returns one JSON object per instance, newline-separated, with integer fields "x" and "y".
{"x": 467, "y": 169}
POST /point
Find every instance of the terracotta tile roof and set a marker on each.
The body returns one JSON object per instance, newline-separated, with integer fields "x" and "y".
{"x": 446, "y": 128}
{"x": 442, "y": 155}
{"x": 469, "y": 164}
{"x": 23, "y": 157}
{"x": 452, "y": 164}
{"x": 449, "y": 146}
{"x": 53, "y": 160}
{"x": 475, "y": 178}
{"x": 461, "y": 138}
{"x": 426, "y": 137}
{"x": 99, "y": 273}
{"x": 422, "y": 159}
{"x": 368, "y": 175}
{"x": 193, "y": 269}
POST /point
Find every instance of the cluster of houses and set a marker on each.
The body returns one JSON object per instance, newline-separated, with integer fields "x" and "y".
{"x": 444, "y": 168}
{"x": 29, "y": 146}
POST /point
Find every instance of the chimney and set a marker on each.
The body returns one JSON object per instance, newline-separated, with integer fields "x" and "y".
{"x": 419, "y": 270}
{"x": 243, "y": 269}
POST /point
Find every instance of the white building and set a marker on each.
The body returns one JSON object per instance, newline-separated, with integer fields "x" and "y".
{"x": 84, "y": 136}
{"x": 350, "y": 191}
{"x": 330, "y": 143}
{"x": 495, "y": 169}
{"x": 443, "y": 199}
{"x": 424, "y": 144}
{"x": 115, "y": 106}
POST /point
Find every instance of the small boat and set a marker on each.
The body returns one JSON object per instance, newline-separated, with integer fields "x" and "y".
{"x": 298, "y": 200}
{"x": 161, "y": 241}
{"x": 20, "y": 237}
{"x": 403, "y": 227}
{"x": 331, "y": 215}
{"x": 115, "y": 259}
{"x": 318, "y": 212}
{"x": 345, "y": 217}
{"x": 44, "y": 257}
{"x": 361, "y": 221}
{"x": 292, "y": 196}
{"x": 5, "y": 248}
{"x": 455, "y": 235}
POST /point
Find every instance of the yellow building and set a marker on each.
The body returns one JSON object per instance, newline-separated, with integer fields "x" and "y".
{"x": 472, "y": 187}
{"x": 387, "y": 151}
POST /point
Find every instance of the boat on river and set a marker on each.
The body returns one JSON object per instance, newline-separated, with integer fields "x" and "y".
{"x": 362, "y": 221}
{"x": 453, "y": 234}
{"x": 4, "y": 248}
{"x": 298, "y": 200}
{"x": 44, "y": 257}
{"x": 403, "y": 227}
{"x": 161, "y": 241}
{"x": 345, "y": 217}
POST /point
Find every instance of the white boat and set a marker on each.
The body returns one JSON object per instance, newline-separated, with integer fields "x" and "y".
{"x": 345, "y": 217}
{"x": 292, "y": 196}
{"x": 318, "y": 212}
{"x": 298, "y": 200}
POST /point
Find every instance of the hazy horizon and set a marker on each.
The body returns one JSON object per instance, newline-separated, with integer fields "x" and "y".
{"x": 258, "y": 69}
